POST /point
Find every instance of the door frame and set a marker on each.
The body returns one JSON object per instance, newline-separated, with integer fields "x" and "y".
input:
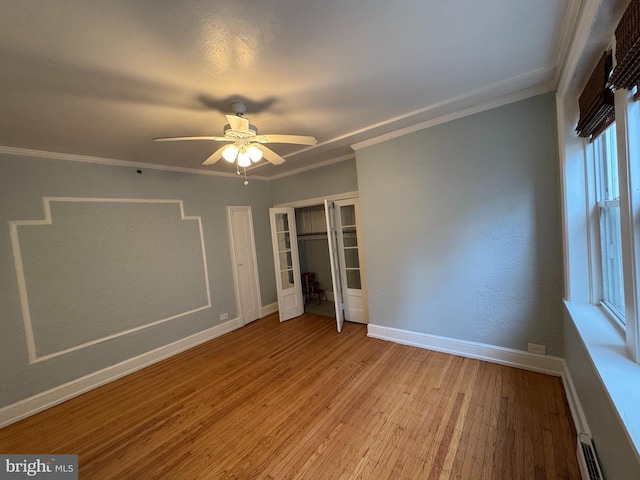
{"x": 311, "y": 202}
{"x": 338, "y": 198}
{"x": 254, "y": 261}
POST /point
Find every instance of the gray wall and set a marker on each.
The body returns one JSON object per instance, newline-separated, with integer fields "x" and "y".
{"x": 314, "y": 257}
{"x": 103, "y": 268}
{"x": 462, "y": 230}
{"x": 332, "y": 179}
{"x": 617, "y": 455}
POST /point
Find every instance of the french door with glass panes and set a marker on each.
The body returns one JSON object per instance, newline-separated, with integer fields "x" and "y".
{"x": 345, "y": 254}
{"x": 287, "y": 263}
{"x": 350, "y": 251}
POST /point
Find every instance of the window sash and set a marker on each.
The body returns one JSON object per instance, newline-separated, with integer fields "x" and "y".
{"x": 611, "y": 258}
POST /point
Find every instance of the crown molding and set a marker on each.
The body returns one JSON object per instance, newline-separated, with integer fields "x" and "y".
{"x": 465, "y": 112}
{"x": 26, "y": 152}
{"x": 324, "y": 163}
{"x": 585, "y": 18}
{"x": 569, "y": 23}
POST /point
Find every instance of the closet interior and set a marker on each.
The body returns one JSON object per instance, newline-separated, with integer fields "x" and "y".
{"x": 313, "y": 250}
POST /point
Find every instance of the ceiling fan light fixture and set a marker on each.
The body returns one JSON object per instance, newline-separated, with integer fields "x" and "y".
{"x": 243, "y": 158}
{"x": 230, "y": 153}
{"x": 254, "y": 153}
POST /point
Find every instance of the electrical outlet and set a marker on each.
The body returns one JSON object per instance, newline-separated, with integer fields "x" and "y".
{"x": 224, "y": 316}
{"x": 535, "y": 348}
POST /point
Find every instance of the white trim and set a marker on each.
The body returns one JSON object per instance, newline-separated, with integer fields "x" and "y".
{"x": 550, "y": 365}
{"x": 22, "y": 285}
{"x": 604, "y": 342}
{"x": 575, "y": 407}
{"x": 504, "y": 356}
{"x": 628, "y": 148}
{"x": 324, "y": 163}
{"x": 465, "y": 112}
{"x": 581, "y": 33}
{"x": 268, "y": 309}
{"x": 26, "y": 152}
{"x": 568, "y": 25}
{"x": 24, "y": 408}
{"x": 473, "y": 96}
{"x": 564, "y": 225}
{"x": 311, "y": 202}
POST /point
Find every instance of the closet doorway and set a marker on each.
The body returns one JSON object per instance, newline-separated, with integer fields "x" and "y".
{"x": 324, "y": 259}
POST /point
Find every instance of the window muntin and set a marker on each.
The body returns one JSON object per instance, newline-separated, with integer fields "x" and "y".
{"x": 608, "y": 203}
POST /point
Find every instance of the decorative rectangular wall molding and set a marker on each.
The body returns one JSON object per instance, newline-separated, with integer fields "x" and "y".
{"x": 24, "y": 408}
{"x": 54, "y": 310}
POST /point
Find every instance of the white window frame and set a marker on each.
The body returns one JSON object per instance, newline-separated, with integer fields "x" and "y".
{"x": 605, "y": 196}
{"x": 628, "y": 138}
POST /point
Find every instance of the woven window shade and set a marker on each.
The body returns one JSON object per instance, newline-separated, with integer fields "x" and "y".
{"x": 596, "y": 101}
{"x": 627, "y": 71}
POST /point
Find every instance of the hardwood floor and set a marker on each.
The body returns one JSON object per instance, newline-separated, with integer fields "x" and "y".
{"x": 298, "y": 400}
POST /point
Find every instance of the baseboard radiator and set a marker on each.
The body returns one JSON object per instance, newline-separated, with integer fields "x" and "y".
{"x": 587, "y": 459}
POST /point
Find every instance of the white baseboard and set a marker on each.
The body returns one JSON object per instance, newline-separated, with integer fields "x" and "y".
{"x": 555, "y": 366}
{"x": 24, "y": 408}
{"x": 577, "y": 413}
{"x": 490, "y": 353}
{"x": 268, "y": 309}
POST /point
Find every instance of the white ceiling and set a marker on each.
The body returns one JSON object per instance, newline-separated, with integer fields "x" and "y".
{"x": 102, "y": 78}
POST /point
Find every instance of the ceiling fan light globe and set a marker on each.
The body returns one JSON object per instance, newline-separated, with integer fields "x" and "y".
{"x": 254, "y": 153}
{"x": 244, "y": 160}
{"x": 230, "y": 153}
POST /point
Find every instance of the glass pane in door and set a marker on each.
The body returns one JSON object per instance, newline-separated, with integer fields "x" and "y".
{"x": 350, "y": 246}
{"x": 351, "y": 257}
{"x": 284, "y": 251}
{"x": 282, "y": 222}
{"x": 353, "y": 279}
{"x": 287, "y": 279}
{"x": 349, "y": 237}
{"x": 348, "y": 215}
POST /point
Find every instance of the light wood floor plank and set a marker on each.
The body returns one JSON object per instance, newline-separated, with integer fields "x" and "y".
{"x": 297, "y": 400}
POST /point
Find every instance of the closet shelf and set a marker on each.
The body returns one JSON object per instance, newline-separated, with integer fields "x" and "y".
{"x": 313, "y": 236}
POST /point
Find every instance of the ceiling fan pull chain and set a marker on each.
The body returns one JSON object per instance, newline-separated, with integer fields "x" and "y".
{"x": 246, "y": 182}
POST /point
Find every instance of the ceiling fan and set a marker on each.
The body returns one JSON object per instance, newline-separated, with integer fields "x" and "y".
{"x": 246, "y": 146}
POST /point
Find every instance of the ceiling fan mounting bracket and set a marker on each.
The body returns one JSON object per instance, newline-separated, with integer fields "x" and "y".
{"x": 239, "y": 108}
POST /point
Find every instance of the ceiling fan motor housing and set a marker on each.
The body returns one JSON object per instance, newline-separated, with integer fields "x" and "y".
{"x": 231, "y": 133}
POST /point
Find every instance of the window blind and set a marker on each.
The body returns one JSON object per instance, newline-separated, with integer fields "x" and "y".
{"x": 627, "y": 71}
{"x": 596, "y": 101}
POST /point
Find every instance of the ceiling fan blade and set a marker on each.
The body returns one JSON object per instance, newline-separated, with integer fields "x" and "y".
{"x": 239, "y": 124}
{"x": 297, "y": 139}
{"x": 176, "y": 139}
{"x": 214, "y": 157}
{"x": 270, "y": 155}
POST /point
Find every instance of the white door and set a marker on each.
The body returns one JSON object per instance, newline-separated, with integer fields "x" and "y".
{"x": 287, "y": 263}
{"x": 334, "y": 259}
{"x": 245, "y": 265}
{"x": 350, "y": 255}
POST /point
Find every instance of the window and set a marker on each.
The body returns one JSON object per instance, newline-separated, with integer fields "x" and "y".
{"x": 608, "y": 203}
